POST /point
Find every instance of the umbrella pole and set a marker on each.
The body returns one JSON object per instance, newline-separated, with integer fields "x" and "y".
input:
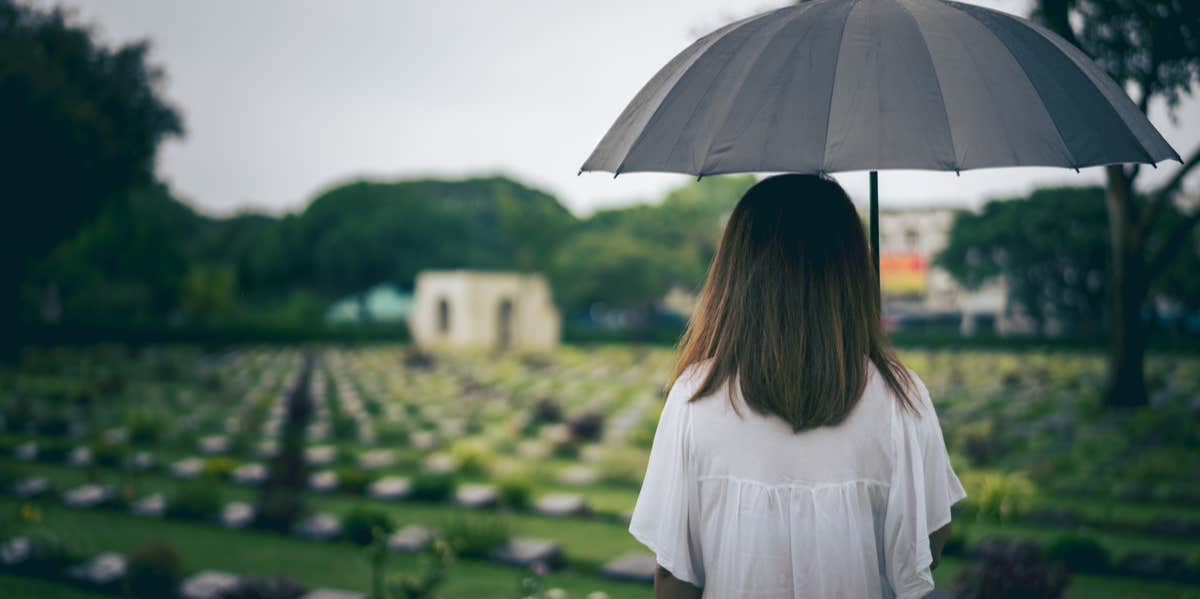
{"x": 875, "y": 236}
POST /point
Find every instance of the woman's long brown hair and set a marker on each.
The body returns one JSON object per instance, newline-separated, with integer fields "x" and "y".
{"x": 789, "y": 307}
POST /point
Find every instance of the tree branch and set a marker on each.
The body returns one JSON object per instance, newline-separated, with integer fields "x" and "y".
{"x": 1179, "y": 236}
{"x": 1159, "y": 197}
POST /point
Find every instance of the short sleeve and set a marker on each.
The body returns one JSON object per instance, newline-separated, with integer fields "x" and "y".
{"x": 923, "y": 486}
{"x": 665, "y": 518}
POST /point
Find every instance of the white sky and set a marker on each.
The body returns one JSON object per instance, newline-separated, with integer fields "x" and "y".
{"x": 283, "y": 98}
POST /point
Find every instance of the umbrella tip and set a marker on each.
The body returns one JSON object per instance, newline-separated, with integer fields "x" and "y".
{"x": 698, "y": 177}
{"x": 1076, "y": 169}
{"x": 579, "y": 173}
{"x": 957, "y": 173}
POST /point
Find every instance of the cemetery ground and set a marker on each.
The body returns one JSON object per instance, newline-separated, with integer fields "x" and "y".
{"x": 301, "y": 471}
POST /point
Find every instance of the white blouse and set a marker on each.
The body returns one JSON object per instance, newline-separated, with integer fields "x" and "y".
{"x": 744, "y": 507}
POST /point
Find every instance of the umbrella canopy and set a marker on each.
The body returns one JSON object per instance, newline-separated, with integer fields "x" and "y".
{"x": 843, "y": 85}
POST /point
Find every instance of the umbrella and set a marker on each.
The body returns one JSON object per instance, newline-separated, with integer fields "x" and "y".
{"x": 866, "y": 85}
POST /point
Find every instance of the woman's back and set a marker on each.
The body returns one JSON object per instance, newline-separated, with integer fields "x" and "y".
{"x": 738, "y": 503}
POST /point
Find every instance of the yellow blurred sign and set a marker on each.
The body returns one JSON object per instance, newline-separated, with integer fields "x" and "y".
{"x": 902, "y": 273}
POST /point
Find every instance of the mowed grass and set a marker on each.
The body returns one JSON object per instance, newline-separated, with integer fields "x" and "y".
{"x": 343, "y": 566}
{"x": 315, "y": 564}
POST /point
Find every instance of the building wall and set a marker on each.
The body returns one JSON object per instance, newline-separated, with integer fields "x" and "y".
{"x": 924, "y": 232}
{"x": 474, "y": 301}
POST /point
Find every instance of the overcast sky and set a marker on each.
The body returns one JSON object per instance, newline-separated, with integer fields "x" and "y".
{"x": 283, "y": 98}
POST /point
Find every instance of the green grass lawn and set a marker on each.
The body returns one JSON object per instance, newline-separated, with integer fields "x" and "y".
{"x": 315, "y": 564}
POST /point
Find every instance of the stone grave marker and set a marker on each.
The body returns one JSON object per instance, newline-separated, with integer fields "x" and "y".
{"x": 208, "y": 584}
{"x": 527, "y": 551}
{"x": 26, "y": 451}
{"x": 438, "y": 463}
{"x": 325, "y": 481}
{"x": 151, "y": 505}
{"x": 103, "y": 570}
{"x": 142, "y": 460}
{"x": 332, "y": 594}
{"x": 635, "y": 566}
{"x": 80, "y": 456}
{"x": 390, "y": 488}
{"x": 87, "y": 496}
{"x": 578, "y": 475}
{"x": 476, "y": 495}
{"x": 320, "y": 526}
{"x": 250, "y": 474}
{"x": 187, "y": 468}
{"x": 561, "y": 504}
{"x": 376, "y": 459}
{"x": 15, "y": 551}
{"x": 32, "y": 486}
{"x": 237, "y": 514}
{"x": 410, "y": 539}
{"x": 214, "y": 444}
{"x": 319, "y": 455}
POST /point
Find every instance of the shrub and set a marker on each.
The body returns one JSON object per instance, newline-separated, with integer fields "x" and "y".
{"x": 353, "y": 480}
{"x": 144, "y": 429}
{"x": 219, "y": 467}
{"x": 1011, "y": 570}
{"x": 360, "y": 525}
{"x": 471, "y": 456}
{"x": 49, "y": 557}
{"x": 515, "y": 490}
{"x": 197, "y": 501}
{"x": 588, "y": 426}
{"x": 429, "y": 486}
{"x": 624, "y": 467}
{"x": 1079, "y": 554}
{"x": 546, "y": 410}
{"x": 997, "y": 495}
{"x": 254, "y": 587}
{"x": 980, "y": 440}
{"x": 108, "y": 455}
{"x": 154, "y": 570}
{"x": 392, "y": 434}
{"x": 54, "y": 426}
{"x": 53, "y": 451}
{"x": 475, "y": 536}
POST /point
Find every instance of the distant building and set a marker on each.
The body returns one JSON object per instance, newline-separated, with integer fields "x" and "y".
{"x": 915, "y": 289}
{"x": 384, "y": 304}
{"x": 501, "y": 310}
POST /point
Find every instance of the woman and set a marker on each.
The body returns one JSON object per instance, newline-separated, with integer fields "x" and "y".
{"x": 795, "y": 456}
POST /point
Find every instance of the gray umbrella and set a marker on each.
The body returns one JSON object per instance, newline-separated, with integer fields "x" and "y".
{"x": 845, "y": 85}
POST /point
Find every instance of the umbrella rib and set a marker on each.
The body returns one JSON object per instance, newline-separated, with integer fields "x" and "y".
{"x": 833, "y": 86}
{"x": 638, "y": 138}
{"x": 1074, "y": 163}
{"x": 937, "y": 78}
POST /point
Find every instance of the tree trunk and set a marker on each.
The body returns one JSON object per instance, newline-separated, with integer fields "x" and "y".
{"x": 1128, "y": 288}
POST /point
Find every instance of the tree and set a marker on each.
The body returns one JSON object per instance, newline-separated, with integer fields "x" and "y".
{"x": 1153, "y": 48}
{"x": 1051, "y": 249}
{"x": 82, "y": 123}
{"x": 614, "y": 269}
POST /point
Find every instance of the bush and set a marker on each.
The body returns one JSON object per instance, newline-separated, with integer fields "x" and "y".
{"x": 219, "y": 467}
{"x": 54, "y": 426}
{"x": 1079, "y": 554}
{"x": 55, "y": 452}
{"x": 515, "y": 490}
{"x": 198, "y": 501}
{"x": 353, "y": 480}
{"x": 624, "y": 467}
{"x": 588, "y": 426}
{"x": 475, "y": 536}
{"x": 998, "y": 495}
{"x": 254, "y": 587}
{"x": 107, "y": 455}
{"x": 154, "y": 570}
{"x": 471, "y": 456}
{"x": 429, "y": 486}
{"x": 1011, "y": 570}
{"x": 144, "y": 429}
{"x": 360, "y": 525}
{"x": 547, "y": 411}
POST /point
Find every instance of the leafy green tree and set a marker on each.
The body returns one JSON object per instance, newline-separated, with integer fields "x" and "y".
{"x": 613, "y": 269}
{"x": 209, "y": 293}
{"x": 1153, "y": 48}
{"x": 1051, "y": 249}
{"x": 82, "y": 123}
{"x": 126, "y": 265}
